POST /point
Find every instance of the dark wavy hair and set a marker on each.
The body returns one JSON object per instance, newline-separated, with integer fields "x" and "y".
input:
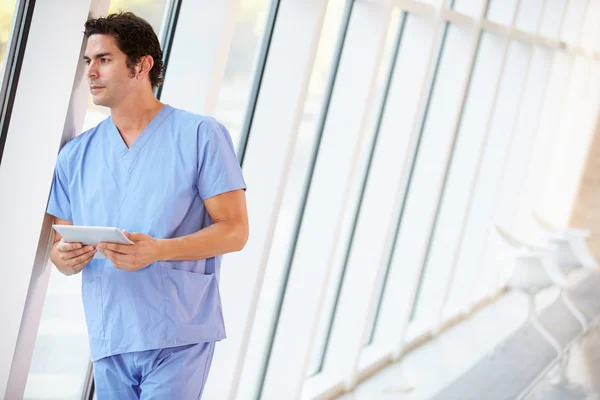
{"x": 134, "y": 36}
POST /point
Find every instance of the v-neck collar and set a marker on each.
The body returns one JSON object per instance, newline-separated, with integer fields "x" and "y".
{"x": 129, "y": 154}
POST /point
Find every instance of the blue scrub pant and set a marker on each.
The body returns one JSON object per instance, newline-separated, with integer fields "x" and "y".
{"x": 171, "y": 373}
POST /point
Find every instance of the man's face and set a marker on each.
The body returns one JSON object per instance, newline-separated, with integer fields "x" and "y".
{"x": 109, "y": 78}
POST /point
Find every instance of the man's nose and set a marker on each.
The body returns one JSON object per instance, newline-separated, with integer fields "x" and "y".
{"x": 92, "y": 71}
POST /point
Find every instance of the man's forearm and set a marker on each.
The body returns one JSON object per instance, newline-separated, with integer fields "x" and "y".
{"x": 216, "y": 239}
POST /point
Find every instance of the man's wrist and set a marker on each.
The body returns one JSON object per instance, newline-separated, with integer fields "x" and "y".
{"x": 163, "y": 247}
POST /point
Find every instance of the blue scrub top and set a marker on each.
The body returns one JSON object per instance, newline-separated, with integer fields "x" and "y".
{"x": 156, "y": 187}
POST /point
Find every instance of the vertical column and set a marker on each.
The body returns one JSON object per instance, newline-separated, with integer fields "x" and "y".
{"x": 40, "y": 120}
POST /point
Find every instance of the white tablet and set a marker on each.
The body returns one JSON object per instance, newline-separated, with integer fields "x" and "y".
{"x": 92, "y": 235}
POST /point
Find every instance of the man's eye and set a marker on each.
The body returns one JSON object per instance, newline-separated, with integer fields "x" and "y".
{"x": 103, "y": 60}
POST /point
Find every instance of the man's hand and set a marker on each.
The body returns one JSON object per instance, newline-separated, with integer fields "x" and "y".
{"x": 143, "y": 252}
{"x": 73, "y": 256}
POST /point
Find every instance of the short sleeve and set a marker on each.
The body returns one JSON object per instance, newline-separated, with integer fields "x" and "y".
{"x": 219, "y": 168}
{"x": 59, "y": 203}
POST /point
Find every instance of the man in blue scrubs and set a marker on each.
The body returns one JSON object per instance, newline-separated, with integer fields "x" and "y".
{"x": 171, "y": 180}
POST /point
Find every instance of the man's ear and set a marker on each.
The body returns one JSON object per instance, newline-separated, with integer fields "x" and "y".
{"x": 145, "y": 65}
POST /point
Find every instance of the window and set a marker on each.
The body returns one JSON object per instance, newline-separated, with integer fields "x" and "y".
{"x": 502, "y": 11}
{"x": 575, "y": 14}
{"x": 555, "y": 98}
{"x": 383, "y": 193}
{"x": 234, "y": 95}
{"x": 519, "y": 156}
{"x": 270, "y": 296}
{"x": 529, "y": 15}
{"x": 470, "y": 139}
{"x": 473, "y": 8}
{"x": 551, "y": 18}
{"x": 14, "y": 21}
{"x": 429, "y": 175}
{"x": 7, "y": 10}
{"x": 489, "y": 173}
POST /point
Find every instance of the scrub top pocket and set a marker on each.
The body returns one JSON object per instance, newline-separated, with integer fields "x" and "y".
{"x": 192, "y": 306}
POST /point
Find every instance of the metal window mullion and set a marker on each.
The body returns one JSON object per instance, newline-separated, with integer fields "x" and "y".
{"x": 12, "y": 65}
{"x": 457, "y": 18}
{"x": 168, "y": 35}
{"x": 422, "y": 125}
{"x": 258, "y": 78}
{"x": 417, "y": 8}
{"x": 382, "y": 111}
{"x": 494, "y": 27}
{"x": 89, "y": 388}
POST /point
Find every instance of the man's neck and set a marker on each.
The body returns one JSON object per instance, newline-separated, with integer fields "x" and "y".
{"x": 132, "y": 117}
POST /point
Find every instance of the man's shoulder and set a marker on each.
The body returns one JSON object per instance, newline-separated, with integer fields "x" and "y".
{"x": 78, "y": 142}
{"x": 201, "y": 122}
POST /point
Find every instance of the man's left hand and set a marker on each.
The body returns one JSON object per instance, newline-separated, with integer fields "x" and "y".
{"x": 143, "y": 252}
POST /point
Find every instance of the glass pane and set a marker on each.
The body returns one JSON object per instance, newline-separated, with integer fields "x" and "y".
{"x": 521, "y": 150}
{"x": 384, "y": 186}
{"x": 7, "y": 10}
{"x": 473, "y": 8}
{"x": 292, "y": 198}
{"x": 490, "y": 170}
{"x": 529, "y": 14}
{"x": 573, "y": 21}
{"x": 241, "y": 64}
{"x": 151, "y": 10}
{"x": 552, "y": 15}
{"x": 589, "y": 31}
{"x": 502, "y": 11}
{"x": 61, "y": 354}
{"x": 429, "y": 177}
{"x": 555, "y": 94}
{"x": 393, "y": 41}
{"x": 469, "y": 142}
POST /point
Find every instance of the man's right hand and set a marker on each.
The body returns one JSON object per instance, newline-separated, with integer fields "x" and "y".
{"x": 70, "y": 258}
